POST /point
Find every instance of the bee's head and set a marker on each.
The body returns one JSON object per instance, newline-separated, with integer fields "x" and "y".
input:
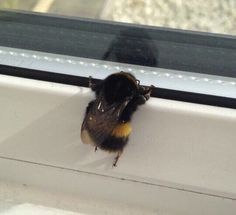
{"x": 119, "y": 86}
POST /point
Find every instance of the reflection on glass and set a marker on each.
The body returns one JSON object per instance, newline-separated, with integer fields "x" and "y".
{"x": 218, "y": 16}
{"x": 144, "y": 50}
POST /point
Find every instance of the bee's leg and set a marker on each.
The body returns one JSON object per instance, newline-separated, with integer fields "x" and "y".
{"x": 148, "y": 94}
{"x": 117, "y": 158}
{"x": 91, "y": 85}
{"x": 133, "y": 104}
{"x": 145, "y": 93}
{"x": 141, "y": 99}
{"x": 94, "y": 87}
{"x": 96, "y": 148}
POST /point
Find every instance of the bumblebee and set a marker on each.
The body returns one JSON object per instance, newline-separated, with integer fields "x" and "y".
{"x": 107, "y": 119}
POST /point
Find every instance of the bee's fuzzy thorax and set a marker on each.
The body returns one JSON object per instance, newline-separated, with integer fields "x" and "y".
{"x": 119, "y": 86}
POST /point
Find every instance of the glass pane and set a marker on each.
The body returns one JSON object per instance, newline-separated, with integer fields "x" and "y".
{"x": 171, "y": 59}
{"x": 218, "y": 16}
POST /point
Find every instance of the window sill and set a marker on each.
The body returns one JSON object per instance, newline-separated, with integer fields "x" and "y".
{"x": 180, "y": 158}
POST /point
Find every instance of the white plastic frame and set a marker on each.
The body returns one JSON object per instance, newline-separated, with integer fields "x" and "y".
{"x": 180, "y": 158}
{"x": 164, "y": 78}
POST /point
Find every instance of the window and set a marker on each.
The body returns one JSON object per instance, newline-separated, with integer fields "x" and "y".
{"x": 183, "y": 65}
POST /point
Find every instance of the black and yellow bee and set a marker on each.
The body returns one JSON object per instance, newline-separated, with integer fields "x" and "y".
{"x": 106, "y": 123}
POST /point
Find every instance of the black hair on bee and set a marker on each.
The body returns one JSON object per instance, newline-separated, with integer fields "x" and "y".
{"x": 107, "y": 119}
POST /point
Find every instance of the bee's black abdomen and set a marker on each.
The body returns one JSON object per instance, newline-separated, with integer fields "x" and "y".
{"x": 114, "y": 144}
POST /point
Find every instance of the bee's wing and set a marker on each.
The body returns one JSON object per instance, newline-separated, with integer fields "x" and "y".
{"x": 101, "y": 119}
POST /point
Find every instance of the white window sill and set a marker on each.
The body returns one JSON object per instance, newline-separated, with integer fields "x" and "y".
{"x": 180, "y": 158}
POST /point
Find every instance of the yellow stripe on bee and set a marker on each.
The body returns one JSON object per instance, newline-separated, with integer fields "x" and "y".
{"x": 122, "y": 130}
